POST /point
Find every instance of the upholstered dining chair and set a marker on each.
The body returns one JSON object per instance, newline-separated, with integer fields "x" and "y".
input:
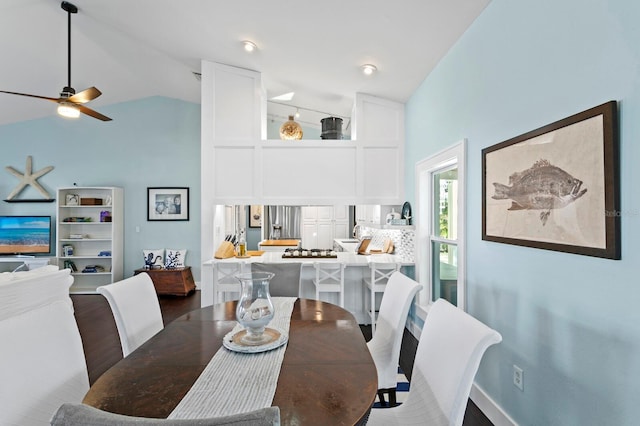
{"x": 449, "y": 352}
{"x": 84, "y": 415}
{"x": 286, "y": 279}
{"x": 329, "y": 278}
{"x": 42, "y": 363}
{"x": 136, "y": 310}
{"x": 385, "y": 344}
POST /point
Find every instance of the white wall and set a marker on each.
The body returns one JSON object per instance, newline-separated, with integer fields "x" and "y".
{"x": 571, "y": 322}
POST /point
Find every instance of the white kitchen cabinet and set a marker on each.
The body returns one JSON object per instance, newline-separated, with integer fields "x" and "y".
{"x": 374, "y": 215}
{"x": 322, "y": 224}
{"x": 89, "y": 235}
{"x": 341, "y": 213}
{"x": 342, "y": 230}
{"x": 368, "y": 214}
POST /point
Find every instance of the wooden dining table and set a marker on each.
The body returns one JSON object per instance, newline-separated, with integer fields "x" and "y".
{"x": 327, "y": 374}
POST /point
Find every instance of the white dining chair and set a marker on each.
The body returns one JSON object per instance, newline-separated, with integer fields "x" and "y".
{"x": 83, "y": 415}
{"x": 136, "y": 310}
{"x": 225, "y": 281}
{"x": 42, "y": 364}
{"x": 376, "y": 282}
{"x": 385, "y": 344}
{"x": 449, "y": 352}
{"x": 329, "y": 278}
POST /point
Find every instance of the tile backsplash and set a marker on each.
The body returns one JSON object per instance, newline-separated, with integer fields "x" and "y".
{"x": 403, "y": 240}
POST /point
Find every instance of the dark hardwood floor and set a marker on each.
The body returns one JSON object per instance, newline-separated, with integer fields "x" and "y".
{"x": 102, "y": 344}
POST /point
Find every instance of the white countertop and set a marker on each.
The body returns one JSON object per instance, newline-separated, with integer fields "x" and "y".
{"x": 347, "y": 246}
{"x": 348, "y": 258}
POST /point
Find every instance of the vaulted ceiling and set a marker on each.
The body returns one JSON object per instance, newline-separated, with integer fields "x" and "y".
{"x": 139, "y": 48}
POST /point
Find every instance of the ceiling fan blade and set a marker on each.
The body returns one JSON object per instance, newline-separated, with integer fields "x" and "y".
{"x": 85, "y": 96}
{"x": 83, "y": 109}
{"x": 31, "y": 96}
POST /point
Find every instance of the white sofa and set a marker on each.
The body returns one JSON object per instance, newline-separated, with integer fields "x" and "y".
{"x": 42, "y": 362}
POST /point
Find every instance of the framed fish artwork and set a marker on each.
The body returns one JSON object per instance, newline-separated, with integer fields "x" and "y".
{"x": 557, "y": 187}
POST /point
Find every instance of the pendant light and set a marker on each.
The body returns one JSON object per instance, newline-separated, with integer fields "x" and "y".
{"x": 290, "y": 130}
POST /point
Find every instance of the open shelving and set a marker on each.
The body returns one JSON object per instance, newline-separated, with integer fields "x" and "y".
{"x": 94, "y": 239}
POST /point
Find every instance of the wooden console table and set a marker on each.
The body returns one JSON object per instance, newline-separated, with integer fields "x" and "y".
{"x": 175, "y": 281}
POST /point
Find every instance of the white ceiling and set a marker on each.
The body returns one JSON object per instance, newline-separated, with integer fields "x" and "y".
{"x": 139, "y": 48}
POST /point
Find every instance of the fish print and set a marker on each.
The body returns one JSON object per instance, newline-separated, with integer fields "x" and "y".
{"x": 541, "y": 187}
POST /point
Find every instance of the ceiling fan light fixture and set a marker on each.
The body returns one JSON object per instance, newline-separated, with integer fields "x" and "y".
{"x": 70, "y": 102}
{"x": 369, "y": 69}
{"x": 249, "y": 46}
{"x": 69, "y": 110}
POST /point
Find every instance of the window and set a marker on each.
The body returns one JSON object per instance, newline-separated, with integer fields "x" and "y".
{"x": 440, "y": 226}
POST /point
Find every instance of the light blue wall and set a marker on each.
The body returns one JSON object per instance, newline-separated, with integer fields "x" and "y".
{"x": 150, "y": 142}
{"x": 571, "y": 322}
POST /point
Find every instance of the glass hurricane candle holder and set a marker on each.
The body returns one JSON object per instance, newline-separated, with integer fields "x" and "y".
{"x": 255, "y": 309}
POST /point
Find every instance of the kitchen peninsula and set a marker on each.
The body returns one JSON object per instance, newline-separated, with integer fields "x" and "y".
{"x": 356, "y": 266}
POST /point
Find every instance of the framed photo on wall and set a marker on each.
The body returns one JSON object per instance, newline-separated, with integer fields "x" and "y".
{"x": 255, "y": 216}
{"x": 556, "y": 187}
{"x": 167, "y": 203}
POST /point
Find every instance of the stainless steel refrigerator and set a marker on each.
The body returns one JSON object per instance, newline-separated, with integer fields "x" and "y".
{"x": 283, "y": 222}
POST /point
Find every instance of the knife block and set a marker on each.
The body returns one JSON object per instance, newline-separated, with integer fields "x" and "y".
{"x": 225, "y": 251}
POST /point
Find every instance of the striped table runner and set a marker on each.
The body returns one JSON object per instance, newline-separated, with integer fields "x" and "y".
{"x": 234, "y": 382}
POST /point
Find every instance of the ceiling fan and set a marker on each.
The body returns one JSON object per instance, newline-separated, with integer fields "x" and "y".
{"x": 70, "y": 103}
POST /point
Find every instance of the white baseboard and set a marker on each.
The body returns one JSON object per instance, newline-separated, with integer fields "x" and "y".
{"x": 413, "y": 328}
{"x": 488, "y": 406}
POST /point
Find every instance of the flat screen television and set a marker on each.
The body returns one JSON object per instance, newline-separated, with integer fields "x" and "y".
{"x": 25, "y": 235}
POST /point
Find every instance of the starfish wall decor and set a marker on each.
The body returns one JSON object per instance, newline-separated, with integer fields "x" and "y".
{"x": 28, "y": 178}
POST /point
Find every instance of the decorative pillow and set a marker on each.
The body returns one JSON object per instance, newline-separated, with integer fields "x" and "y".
{"x": 175, "y": 258}
{"x": 153, "y": 258}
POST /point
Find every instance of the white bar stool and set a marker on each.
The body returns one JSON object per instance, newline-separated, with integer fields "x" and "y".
{"x": 376, "y": 282}
{"x": 329, "y": 279}
{"x": 224, "y": 280}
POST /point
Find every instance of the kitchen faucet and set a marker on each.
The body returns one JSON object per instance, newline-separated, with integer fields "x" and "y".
{"x": 356, "y": 231}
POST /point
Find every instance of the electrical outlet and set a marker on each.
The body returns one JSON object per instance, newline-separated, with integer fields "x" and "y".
{"x": 518, "y": 377}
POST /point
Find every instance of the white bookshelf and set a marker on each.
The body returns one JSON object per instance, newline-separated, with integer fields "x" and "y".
{"x": 94, "y": 240}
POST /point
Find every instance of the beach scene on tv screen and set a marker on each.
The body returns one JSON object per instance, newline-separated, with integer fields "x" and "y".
{"x": 24, "y": 235}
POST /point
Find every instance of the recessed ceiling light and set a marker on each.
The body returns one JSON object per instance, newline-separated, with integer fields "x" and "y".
{"x": 249, "y": 46}
{"x": 369, "y": 69}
